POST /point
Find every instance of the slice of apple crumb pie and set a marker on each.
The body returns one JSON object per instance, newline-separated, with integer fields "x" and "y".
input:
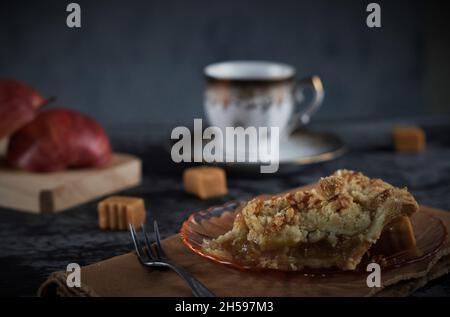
{"x": 331, "y": 225}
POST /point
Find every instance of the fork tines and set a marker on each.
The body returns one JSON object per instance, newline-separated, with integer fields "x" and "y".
{"x": 149, "y": 249}
{"x": 156, "y": 257}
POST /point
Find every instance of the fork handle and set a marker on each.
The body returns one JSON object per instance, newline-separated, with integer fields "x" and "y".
{"x": 198, "y": 289}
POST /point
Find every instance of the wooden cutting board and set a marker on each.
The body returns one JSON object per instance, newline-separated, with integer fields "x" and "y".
{"x": 54, "y": 192}
{"x": 124, "y": 276}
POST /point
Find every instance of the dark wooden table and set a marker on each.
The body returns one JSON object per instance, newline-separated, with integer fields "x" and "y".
{"x": 33, "y": 246}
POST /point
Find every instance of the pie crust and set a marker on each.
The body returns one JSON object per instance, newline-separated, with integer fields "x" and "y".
{"x": 332, "y": 225}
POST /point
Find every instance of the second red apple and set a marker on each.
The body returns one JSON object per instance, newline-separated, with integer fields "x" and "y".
{"x": 58, "y": 139}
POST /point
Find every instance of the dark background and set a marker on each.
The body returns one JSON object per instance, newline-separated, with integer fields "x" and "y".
{"x": 136, "y": 66}
{"x": 135, "y": 63}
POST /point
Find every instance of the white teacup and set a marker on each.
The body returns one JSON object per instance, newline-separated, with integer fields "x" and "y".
{"x": 259, "y": 94}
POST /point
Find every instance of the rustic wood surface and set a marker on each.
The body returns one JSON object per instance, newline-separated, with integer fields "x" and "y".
{"x": 54, "y": 192}
{"x": 124, "y": 276}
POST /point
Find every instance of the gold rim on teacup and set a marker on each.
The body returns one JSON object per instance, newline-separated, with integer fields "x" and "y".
{"x": 259, "y": 94}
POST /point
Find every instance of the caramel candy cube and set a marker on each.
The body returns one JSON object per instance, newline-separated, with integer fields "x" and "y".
{"x": 205, "y": 182}
{"x": 116, "y": 212}
{"x": 409, "y": 140}
{"x": 397, "y": 236}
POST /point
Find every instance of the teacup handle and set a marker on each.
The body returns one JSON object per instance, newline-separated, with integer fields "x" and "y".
{"x": 303, "y": 117}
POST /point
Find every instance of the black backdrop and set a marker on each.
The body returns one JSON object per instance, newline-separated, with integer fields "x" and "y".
{"x": 141, "y": 61}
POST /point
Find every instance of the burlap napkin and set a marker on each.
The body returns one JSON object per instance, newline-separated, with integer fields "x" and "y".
{"x": 124, "y": 276}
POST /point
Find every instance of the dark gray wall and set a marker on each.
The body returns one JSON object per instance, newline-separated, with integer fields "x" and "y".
{"x": 141, "y": 61}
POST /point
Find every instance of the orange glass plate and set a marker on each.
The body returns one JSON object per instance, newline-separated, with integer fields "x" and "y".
{"x": 430, "y": 233}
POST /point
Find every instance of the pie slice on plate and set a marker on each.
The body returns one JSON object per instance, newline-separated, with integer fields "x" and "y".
{"x": 331, "y": 225}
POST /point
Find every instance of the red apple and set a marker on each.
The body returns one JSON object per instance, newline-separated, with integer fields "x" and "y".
{"x": 58, "y": 139}
{"x": 18, "y": 105}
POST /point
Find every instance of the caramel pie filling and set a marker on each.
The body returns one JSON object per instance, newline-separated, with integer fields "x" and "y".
{"x": 331, "y": 225}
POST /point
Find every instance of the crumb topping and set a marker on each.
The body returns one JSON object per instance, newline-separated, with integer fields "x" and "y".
{"x": 342, "y": 207}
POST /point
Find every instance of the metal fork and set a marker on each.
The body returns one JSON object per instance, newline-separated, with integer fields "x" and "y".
{"x": 158, "y": 259}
